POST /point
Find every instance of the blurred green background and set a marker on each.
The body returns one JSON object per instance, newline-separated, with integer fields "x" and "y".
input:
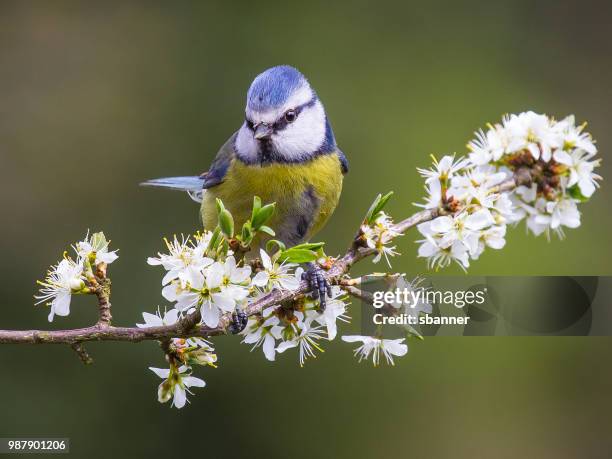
{"x": 94, "y": 98}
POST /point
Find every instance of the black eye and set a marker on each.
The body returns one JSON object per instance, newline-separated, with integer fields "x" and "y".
{"x": 290, "y": 116}
{"x": 250, "y": 124}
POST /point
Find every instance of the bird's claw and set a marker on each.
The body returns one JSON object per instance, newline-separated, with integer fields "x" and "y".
{"x": 239, "y": 321}
{"x": 320, "y": 287}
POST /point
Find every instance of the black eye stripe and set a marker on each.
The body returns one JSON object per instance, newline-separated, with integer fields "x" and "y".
{"x": 282, "y": 122}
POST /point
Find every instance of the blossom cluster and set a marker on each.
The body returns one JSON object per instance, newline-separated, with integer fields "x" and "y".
{"x": 378, "y": 235}
{"x": 215, "y": 283}
{"x": 300, "y": 326}
{"x": 74, "y": 275}
{"x": 185, "y": 353}
{"x": 558, "y": 157}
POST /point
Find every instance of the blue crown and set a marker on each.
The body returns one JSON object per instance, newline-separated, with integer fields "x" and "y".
{"x": 272, "y": 88}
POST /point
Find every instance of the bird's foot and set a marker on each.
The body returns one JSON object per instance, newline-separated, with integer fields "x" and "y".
{"x": 320, "y": 287}
{"x": 239, "y": 321}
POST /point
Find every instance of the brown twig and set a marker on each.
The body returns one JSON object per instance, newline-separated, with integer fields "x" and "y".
{"x": 82, "y": 353}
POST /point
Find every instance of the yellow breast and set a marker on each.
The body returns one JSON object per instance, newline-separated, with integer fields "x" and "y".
{"x": 310, "y": 188}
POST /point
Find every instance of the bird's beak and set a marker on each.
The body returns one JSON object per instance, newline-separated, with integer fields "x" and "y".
{"x": 263, "y": 131}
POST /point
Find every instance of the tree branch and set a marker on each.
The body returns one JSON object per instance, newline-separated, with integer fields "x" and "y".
{"x": 187, "y": 326}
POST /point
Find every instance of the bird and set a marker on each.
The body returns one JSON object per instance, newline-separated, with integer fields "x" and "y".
{"x": 284, "y": 152}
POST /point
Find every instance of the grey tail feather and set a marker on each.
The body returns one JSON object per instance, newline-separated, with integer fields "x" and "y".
{"x": 189, "y": 183}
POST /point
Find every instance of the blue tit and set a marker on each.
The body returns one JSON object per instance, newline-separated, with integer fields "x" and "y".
{"x": 284, "y": 152}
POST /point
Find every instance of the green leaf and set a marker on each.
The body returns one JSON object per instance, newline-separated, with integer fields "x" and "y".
{"x": 274, "y": 242}
{"x": 373, "y": 206}
{"x": 574, "y": 192}
{"x": 256, "y": 206}
{"x": 377, "y": 206}
{"x": 247, "y": 233}
{"x": 263, "y": 215}
{"x": 411, "y": 331}
{"x": 224, "y": 247}
{"x": 294, "y": 255}
{"x": 214, "y": 239}
{"x": 226, "y": 223}
{"x": 220, "y": 206}
{"x": 267, "y": 230}
{"x": 314, "y": 246}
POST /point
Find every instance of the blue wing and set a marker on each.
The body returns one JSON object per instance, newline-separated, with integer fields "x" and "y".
{"x": 196, "y": 184}
{"x": 343, "y": 162}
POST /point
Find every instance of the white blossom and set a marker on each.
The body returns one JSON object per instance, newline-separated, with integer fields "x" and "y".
{"x": 580, "y": 169}
{"x": 376, "y": 346}
{"x": 433, "y": 197}
{"x": 556, "y": 214}
{"x": 574, "y": 137}
{"x": 216, "y": 290}
{"x": 157, "y": 320}
{"x": 560, "y": 156}
{"x": 412, "y": 305}
{"x": 176, "y": 384}
{"x": 263, "y": 332}
{"x": 441, "y": 257}
{"x": 96, "y": 243}
{"x": 275, "y": 275}
{"x": 476, "y": 185}
{"x": 489, "y": 146}
{"x": 334, "y": 311}
{"x": 184, "y": 258}
{"x": 61, "y": 282}
{"x": 533, "y": 132}
{"x": 378, "y": 235}
{"x": 444, "y": 169}
{"x": 305, "y": 338}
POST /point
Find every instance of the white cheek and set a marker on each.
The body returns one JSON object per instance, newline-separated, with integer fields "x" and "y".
{"x": 304, "y": 136}
{"x": 246, "y": 145}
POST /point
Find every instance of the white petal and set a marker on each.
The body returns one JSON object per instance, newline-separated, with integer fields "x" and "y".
{"x": 192, "y": 381}
{"x": 268, "y": 347}
{"x": 442, "y": 224}
{"x": 282, "y": 347}
{"x": 240, "y": 275}
{"x": 161, "y": 372}
{"x": 265, "y": 259}
{"x": 289, "y": 283}
{"x": 261, "y": 279}
{"x": 171, "y": 316}
{"x": 169, "y": 276}
{"x": 563, "y": 157}
{"x": 332, "y": 329}
{"x": 61, "y": 304}
{"x": 395, "y": 346}
{"x": 210, "y": 315}
{"x": 253, "y": 337}
{"x": 427, "y": 249}
{"x": 151, "y": 320}
{"x": 214, "y": 276}
{"x": 169, "y": 292}
{"x": 224, "y": 301}
{"x": 587, "y": 187}
{"x": 180, "y": 397}
{"x": 355, "y": 338}
{"x": 186, "y": 301}
{"x": 479, "y": 219}
{"x": 107, "y": 257}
